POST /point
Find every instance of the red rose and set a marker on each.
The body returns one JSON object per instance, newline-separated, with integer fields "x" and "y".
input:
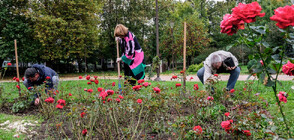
{"x": 216, "y": 75}
{"x": 231, "y": 24}
{"x": 141, "y": 81}
{"x": 227, "y": 114}
{"x": 139, "y": 101}
{"x": 85, "y": 89}
{"x": 59, "y": 106}
{"x": 83, "y": 114}
{"x": 92, "y": 80}
{"x": 9, "y": 64}
{"x": 121, "y": 97}
{"x": 69, "y": 94}
{"x": 17, "y": 86}
{"x": 61, "y": 102}
{"x": 90, "y": 90}
{"x": 182, "y": 72}
{"x": 103, "y": 95}
{"x": 196, "y": 87}
{"x": 248, "y": 12}
{"x": 210, "y": 98}
{"x": 156, "y": 90}
{"x": 29, "y": 88}
{"x": 284, "y": 16}
{"x": 226, "y": 124}
{"x": 84, "y": 132}
{"x": 246, "y": 132}
{"x": 261, "y": 62}
{"x": 96, "y": 82}
{"x": 288, "y": 69}
{"x": 137, "y": 87}
{"x": 49, "y": 100}
{"x": 103, "y": 102}
{"x": 282, "y": 97}
{"x": 232, "y": 91}
{"x": 178, "y": 84}
{"x": 23, "y": 78}
{"x": 191, "y": 78}
{"x": 174, "y": 77}
{"x": 117, "y": 100}
{"x": 113, "y": 84}
{"x": 48, "y": 77}
{"x": 109, "y": 99}
{"x": 100, "y": 89}
{"x": 197, "y": 129}
{"x": 88, "y": 77}
{"x": 95, "y": 77}
{"x": 89, "y": 83}
{"x": 13, "y": 78}
{"x": 17, "y": 79}
{"x": 120, "y": 76}
{"x": 110, "y": 92}
{"x": 80, "y": 77}
{"x": 146, "y": 84}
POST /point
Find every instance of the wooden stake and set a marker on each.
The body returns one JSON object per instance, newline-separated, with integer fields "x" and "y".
{"x": 16, "y": 59}
{"x": 118, "y": 68}
{"x": 184, "y": 64}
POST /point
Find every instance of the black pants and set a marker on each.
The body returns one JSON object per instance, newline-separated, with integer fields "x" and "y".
{"x": 128, "y": 72}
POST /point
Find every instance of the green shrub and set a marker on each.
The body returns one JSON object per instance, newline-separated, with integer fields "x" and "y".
{"x": 195, "y": 67}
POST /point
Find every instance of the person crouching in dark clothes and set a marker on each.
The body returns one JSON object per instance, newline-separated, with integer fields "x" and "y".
{"x": 36, "y": 75}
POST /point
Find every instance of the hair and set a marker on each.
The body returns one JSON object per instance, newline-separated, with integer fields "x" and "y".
{"x": 215, "y": 58}
{"x": 120, "y": 30}
{"x": 30, "y": 72}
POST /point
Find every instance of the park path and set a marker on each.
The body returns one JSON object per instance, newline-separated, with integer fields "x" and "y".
{"x": 281, "y": 77}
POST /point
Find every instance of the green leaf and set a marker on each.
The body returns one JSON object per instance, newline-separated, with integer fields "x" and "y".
{"x": 270, "y": 83}
{"x": 229, "y": 47}
{"x": 265, "y": 44}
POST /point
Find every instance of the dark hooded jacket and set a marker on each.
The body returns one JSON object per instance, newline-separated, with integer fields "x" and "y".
{"x": 43, "y": 72}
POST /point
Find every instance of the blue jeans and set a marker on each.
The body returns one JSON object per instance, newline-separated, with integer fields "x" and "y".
{"x": 234, "y": 75}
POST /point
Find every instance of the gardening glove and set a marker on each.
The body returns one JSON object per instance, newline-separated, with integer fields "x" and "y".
{"x": 118, "y": 60}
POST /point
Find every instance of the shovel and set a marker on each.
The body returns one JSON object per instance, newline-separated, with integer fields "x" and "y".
{"x": 118, "y": 68}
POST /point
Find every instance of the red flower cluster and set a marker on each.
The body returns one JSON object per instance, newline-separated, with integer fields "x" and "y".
{"x": 146, "y": 84}
{"x": 247, "y": 132}
{"x": 110, "y": 92}
{"x": 83, "y": 114}
{"x": 113, "y": 84}
{"x": 117, "y": 100}
{"x": 216, "y": 75}
{"x": 232, "y": 91}
{"x": 288, "y": 69}
{"x": 100, "y": 89}
{"x": 89, "y": 83}
{"x": 23, "y": 78}
{"x": 80, "y": 77}
{"x": 88, "y": 77}
{"x": 9, "y": 64}
{"x": 103, "y": 95}
{"x": 178, "y": 84}
{"x": 282, "y": 96}
{"x": 139, "y": 101}
{"x": 17, "y": 86}
{"x": 141, "y": 81}
{"x": 284, "y": 16}
{"x": 69, "y": 94}
{"x": 84, "y": 132}
{"x": 96, "y": 82}
{"x": 13, "y": 78}
{"x": 156, "y": 90}
{"x": 95, "y": 77}
{"x": 48, "y": 77}
{"x": 174, "y": 77}
{"x": 227, "y": 125}
{"x": 49, "y": 100}
{"x": 61, "y": 102}
{"x": 210, "y": 98}
{"x": 197, "y": 129}
{"x": 196, "y": 87}
{"x": 261, "y": 62}
{"x": 90, "y": 90}
{"x": 16, "y": 79}
{"x": 227, "y": 114}
{"x": 242, "y": 13}
{"x": 109, "y": 99}
{"x": 137, "y": 87}
{"x": 121, "y": 97}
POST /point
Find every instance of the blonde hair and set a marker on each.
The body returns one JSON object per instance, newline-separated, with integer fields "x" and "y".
{"x": 120, "y": 30}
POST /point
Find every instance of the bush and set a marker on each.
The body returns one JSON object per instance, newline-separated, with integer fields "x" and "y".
{"x": 195, "y": 67}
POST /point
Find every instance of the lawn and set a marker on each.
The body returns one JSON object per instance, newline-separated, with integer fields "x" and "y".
{"x": 179, "y": 113}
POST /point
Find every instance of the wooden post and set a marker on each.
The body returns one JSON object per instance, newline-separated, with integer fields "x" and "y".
{"x": 184, "y": 63}
{"x": 118, "y": 68}
{"x": 17, "y": 70}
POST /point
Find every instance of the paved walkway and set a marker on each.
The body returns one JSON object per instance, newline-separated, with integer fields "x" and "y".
{"x": 168, "y": 78}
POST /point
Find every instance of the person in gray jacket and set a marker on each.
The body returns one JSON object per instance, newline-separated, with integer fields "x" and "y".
{"x": 220, "y": 62}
